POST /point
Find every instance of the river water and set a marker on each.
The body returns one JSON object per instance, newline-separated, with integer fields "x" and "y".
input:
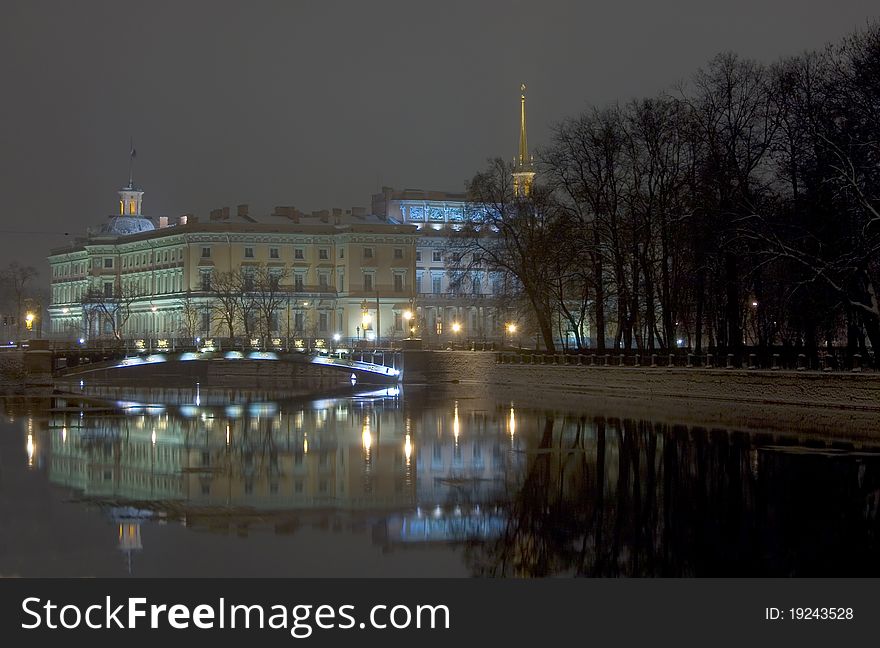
{"x": 189, "y": 481}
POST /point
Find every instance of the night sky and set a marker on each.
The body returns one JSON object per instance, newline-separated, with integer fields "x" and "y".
{"x": 316, "y": 104}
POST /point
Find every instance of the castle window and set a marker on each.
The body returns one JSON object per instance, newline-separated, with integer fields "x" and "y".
{"x": 130, "y": 206}
{"x": 249, "y": 253}
{"x": 273, "y": 253}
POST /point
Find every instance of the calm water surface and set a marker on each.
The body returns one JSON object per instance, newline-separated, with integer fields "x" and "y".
{"x": 193, "y": 482}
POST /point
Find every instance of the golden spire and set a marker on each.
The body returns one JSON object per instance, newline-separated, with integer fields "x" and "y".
{"x": 523, "y": 173}
{"x": 523, "y": 144}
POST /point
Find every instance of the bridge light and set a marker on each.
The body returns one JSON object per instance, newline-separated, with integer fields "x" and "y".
{"x": 336, "y": 337}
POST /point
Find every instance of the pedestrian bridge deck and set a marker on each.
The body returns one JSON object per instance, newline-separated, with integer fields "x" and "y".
{"x": 387, "y": 371}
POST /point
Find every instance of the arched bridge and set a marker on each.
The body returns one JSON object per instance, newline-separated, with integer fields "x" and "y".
{"x": 361, "y": 368}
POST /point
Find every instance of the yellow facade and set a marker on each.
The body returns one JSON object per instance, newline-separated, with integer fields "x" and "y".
{"x": 325, "y": 271}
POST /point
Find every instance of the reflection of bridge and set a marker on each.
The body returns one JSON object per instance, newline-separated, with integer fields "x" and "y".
{"x": 439, "y": 526}
{"x": 373, "y": 368}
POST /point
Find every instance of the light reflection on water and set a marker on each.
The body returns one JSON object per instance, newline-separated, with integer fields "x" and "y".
{"x": 421, "y": 483}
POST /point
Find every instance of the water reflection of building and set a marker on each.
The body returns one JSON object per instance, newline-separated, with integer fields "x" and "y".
{"x": 354, "y": 461}
{"x": 236, "y": 456}
{"x": 466, "y": 464}
{"x": 462, "y": 458}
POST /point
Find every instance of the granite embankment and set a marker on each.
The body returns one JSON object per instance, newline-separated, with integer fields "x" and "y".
{"x": 826, "y": 401}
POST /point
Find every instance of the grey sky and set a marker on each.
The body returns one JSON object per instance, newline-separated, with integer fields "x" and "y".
{"x": 314, "y": 104}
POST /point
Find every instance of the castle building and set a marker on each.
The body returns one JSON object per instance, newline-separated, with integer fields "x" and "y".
{"x": 329, "y": 275}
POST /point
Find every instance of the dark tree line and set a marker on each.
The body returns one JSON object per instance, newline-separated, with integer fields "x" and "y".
{"x": 742, "y": 208}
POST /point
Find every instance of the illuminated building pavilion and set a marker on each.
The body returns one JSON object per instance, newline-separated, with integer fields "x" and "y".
{"x": 473, "y": 311}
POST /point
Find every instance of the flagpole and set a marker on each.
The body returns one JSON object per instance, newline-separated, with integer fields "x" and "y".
{"x": 131, "y": 156}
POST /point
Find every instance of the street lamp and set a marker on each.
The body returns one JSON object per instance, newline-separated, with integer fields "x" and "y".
{"x": 365, "y": 317}
{"x": 510, "y": 327}
{"x": 407, "y": 316}
{"x": 29, "y": 321}
{"x": 456, "y": 329}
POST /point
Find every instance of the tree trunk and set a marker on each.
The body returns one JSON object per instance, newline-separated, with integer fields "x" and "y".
{"x": 732, "y": 310}
{"x": 600, "y": 293}
{"x": 698, "y": 317}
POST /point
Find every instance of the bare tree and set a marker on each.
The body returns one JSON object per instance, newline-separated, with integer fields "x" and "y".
{"x": 734, "y": 119}
{"x": 269, "y": 296}
{"x": 17, "y": 280}
{"x": 225, "y": 290}
{"x": 826, "y": 228}
{"x": 189, "y": 318}
{"x": 512, "y": 235}
{"x": 583, "y": 169}
{"x": 111, "y": 309}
